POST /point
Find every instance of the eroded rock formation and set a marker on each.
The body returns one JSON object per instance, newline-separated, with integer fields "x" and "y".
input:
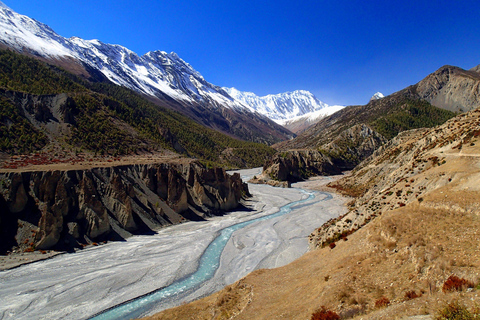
{"x": 64, "y": 209}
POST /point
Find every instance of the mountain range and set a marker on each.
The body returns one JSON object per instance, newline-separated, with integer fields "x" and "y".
{"x": 414, "y": 157}
{"x": 294, "y": 110}
{"x": 342, "y": 140}
{"x": 165, "y": 79}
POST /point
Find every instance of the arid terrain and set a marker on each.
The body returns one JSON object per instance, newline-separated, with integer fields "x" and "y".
{"x": 414, "y": 225}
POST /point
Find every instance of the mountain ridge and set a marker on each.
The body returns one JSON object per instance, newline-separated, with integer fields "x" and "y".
{"x": 281, "y": 106}
{"x": 165, "y": 78}
{"x": 44, "y": 106}
{"x": 295, "y": 110}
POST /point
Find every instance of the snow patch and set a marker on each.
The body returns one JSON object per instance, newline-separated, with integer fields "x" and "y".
{"x": 377, "y": 95}
{"x": 312, "y": 117}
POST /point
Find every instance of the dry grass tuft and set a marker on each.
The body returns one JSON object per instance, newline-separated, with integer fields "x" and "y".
{"x": 382, "y": 302}
{"x": 456, "y": 311}
{"x": 409, "y": 295}
{"x": 324, "y": 314}
{"x": 455, "y": 283}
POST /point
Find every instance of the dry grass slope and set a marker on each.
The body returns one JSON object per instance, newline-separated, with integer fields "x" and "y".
{"x": 417, "y": 222}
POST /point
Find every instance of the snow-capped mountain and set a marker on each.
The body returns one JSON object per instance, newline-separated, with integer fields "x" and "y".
{"x": 162, "y": 75}
{"x": 280, "y": 107}
{"x": 294, "y": 110}
{"x": 153, "y": 72}
{"x": 377, "y": 96}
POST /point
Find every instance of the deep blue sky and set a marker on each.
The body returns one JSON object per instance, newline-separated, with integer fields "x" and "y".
{"x": 342, "y": 51}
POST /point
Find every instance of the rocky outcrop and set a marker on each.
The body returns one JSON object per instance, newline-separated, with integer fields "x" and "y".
{"x": 64, "y": 209}
{"x": 352, "y": 146}
{"x": 343, "y": 153}
{"x": 451, "y": 88}
{"x": 297, "y": 165}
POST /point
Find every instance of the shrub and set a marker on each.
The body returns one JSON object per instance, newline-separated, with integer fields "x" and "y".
{"x": 382, "y": 302}
{"x": 455, "y": 283}
{"x": 455, "y": 311}
{"x": 409, "y": 295}
{"x": 332, "y": 245}
{"x": 324, "y": 314}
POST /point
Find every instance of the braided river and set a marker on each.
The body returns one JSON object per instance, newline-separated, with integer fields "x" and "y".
{"x": 147, "y": 274}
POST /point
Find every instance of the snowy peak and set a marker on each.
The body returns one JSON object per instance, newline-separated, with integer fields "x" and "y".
{"x": 30, "y": 36}
{"x": 156, "y": 73}
{"x": 2, "y": 5}
{"x": 377, "y": 96}
{"x": 279, "y": 107}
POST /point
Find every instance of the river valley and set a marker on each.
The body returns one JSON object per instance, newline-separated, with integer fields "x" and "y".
{"x": 83, "y": 284}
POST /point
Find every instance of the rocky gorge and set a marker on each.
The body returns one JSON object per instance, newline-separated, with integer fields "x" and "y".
{"x": 72, "y": 208}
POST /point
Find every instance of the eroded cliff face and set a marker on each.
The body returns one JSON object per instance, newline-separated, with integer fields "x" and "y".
{"x": 297, "y": 165}
{"x": 65, "y": 209}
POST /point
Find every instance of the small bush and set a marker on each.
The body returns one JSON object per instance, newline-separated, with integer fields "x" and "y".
{"x": 455, "y": 283}
{"x": 409, "y": 295}
{"x": 382, "y": 302}
{"x": 324, "y": 314}
{"x": 455, "y": 311}
{"x": 332, "y": 245}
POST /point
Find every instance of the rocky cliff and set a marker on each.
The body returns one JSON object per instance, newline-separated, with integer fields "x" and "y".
{"x": 67, "y": 209}
{"x": 344, "y": 152}
{"x": 296, "y": 165}
{"x": 451, "y": 88}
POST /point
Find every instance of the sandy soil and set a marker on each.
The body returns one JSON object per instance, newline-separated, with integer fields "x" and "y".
{"x": 15, "y": 260}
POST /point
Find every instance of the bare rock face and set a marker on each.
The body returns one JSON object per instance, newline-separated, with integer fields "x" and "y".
{"x": 352, "y": 146}
{"x": 451, "y": 88}
{"x": 65, "y": 209}
{"x": 296, "y": 165}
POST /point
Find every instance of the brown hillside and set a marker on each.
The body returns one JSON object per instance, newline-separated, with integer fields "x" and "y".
{"x": 418, "y": 219}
